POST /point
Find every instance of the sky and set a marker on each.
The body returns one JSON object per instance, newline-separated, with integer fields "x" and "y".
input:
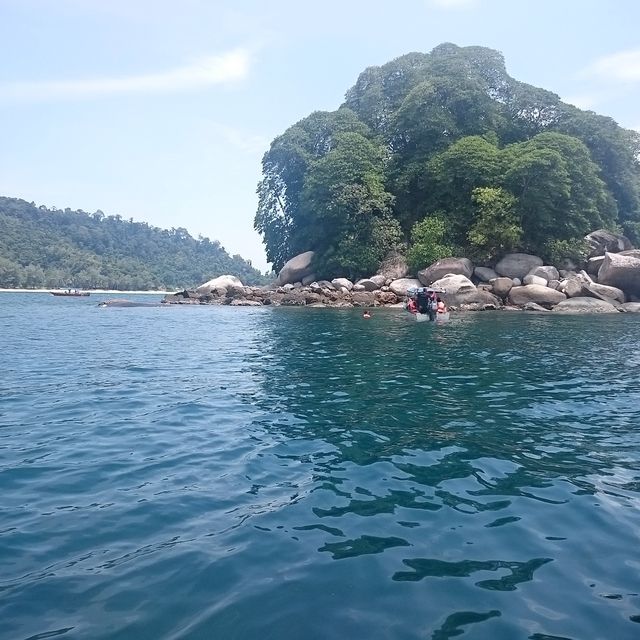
{"x": 161, "y": 110}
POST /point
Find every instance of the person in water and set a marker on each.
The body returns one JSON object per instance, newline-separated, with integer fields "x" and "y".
{"x": 366, "y": 314}
{"x": 440, "y": 306}
{"x": 411, "y": 305}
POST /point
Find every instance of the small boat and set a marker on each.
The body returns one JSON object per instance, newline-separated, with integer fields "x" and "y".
{"x": 70, "y": 293}
{"x": 425, "y": 305}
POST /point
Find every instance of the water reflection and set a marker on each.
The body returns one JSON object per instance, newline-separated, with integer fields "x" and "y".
{"x": 491, "y": 437}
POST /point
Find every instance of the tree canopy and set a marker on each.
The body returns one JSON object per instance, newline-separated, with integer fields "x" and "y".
{"x": 42, "y": 247}
{"x": 496, "y": 163}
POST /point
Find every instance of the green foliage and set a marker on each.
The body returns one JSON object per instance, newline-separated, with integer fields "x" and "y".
{"x": 560, "y": 193}
{"x": 359, "y": 252}
{"x": 281, "y": 218}
{"x": 557, "y": 251}
{"x": 428, "y": 243}
{"x": 40, "y": 247}
{"x": 495, "y": 229}
{"x": 632, "y": 231}
{"x": 416, "y": 138}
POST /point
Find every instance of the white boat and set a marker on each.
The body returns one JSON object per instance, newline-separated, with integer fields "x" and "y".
{"x": 439, "y": 317}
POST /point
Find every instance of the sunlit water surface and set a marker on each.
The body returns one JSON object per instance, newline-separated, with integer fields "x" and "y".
{"x": 231, "y": 473}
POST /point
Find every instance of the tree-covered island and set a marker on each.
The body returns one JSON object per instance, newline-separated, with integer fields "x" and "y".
{"x": 444, "y": 154}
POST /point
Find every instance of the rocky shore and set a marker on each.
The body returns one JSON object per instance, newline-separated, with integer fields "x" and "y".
{"x": 608, "y": 283}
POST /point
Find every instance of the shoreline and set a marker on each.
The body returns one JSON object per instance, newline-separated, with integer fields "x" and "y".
{"x": 91, "y": 291}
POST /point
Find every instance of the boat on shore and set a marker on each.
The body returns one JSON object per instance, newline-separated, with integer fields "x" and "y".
{"x": 70, "y": 293}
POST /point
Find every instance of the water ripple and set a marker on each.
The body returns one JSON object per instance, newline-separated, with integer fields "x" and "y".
{"x": 256, "y": 473}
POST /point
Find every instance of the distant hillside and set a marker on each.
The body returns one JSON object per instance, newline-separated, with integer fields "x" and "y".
{"x": 42, "y": 247}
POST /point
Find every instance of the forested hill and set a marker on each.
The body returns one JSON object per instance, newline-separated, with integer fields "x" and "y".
{"x": 42, "y": 247}
{"x": 444, "y": 153}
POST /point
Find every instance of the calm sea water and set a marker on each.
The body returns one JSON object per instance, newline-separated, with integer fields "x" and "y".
{"x": 229, "y": 473}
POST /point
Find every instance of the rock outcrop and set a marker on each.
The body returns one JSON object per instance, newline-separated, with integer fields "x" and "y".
{"x": 544, "y": 296}
{"x": 519, "y": 281}
{"x": 621, "y": 271}
{"x": 602, "y": 240}
{"x": 584, "y": 305}
{"x": 517, "y": 265}
{"x": 402, "y": 285}
{"x": 296, "y": 269}
{"x": 221, "y": 282}
{"x": 439, "y": 269}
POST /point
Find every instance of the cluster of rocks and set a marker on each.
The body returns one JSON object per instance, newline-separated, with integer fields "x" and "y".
{"x": 609, "y": 283}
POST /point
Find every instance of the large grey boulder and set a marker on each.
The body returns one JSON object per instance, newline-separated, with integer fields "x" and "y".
{"x": 484, "y": 274}
{"x": 602, "y": 240}
{"x": 594, "y": 264}
{"x": 460, "y": 291}
{"x": 544, "y": 296}
{"x": 296, "y": 269}
{"x": 439, "y": 269}
{"x": 367, "y": 284}
{"x": 379, "y": 279}
{"x": 584, "y": 305}
{"x": 604, "y": 292}
{"x": 572, "y": 287}
{"x": 547, "y": 272}
{"x": 621, "y": 271}
{"x": 454, "y": 283}
{"x": 531, "y": 279}
{"x": 393, "y": 267}
{"x": 342, "y": 283}
{"x": 221, "y": 282}
{"x": 517, "y": 265}
{"x": 402, "y": 285}
{"x": 630, "y": 307}
{"x": 501, "y": 286}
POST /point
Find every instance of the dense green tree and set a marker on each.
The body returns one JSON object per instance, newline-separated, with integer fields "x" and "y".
{"x": 428, "y": 243}
{"x": 42, "y": 247}
{"x": 345, "y": 213}
{"x": 442, "y": 126}
{"x": 495, "y": 229}
{"x": 559, "y": 191}
{"x": 615, "y": 150}
{"x": 284, "y": 169}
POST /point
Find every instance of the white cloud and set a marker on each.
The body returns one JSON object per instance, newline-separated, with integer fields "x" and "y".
{"x": 623, "y": 66}
{"x": 452, "y": 4}
{"x": 211, "y": 70}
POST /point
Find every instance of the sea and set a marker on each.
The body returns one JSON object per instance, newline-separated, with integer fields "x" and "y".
{"x": 207, "y": 472}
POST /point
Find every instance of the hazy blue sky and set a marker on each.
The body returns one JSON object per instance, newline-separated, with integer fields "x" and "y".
{"x": 161, "y": 110}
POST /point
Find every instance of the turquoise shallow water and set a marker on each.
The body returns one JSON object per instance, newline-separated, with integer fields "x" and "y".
{"x": 209, "y": 472}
